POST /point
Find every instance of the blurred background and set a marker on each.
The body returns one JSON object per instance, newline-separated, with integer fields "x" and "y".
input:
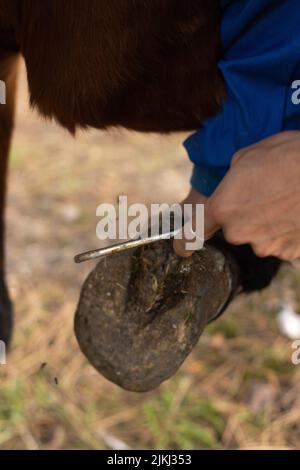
{"x": 238, "y": 389}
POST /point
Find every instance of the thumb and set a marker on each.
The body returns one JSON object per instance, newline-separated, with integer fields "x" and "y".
{"x": 210, "y": 228}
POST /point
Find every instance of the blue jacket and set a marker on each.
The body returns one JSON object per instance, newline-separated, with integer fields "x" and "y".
{"x": 260, "y": 64}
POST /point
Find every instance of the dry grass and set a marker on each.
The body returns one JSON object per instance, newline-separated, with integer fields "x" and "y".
{"x": 237, "y": 390}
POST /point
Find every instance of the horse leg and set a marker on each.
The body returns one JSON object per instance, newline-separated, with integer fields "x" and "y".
{"x": 8, "y": 73}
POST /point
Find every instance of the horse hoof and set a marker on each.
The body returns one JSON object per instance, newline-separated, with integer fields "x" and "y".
{"x": 6, "y": 315}
{"x": 141, "y": 312}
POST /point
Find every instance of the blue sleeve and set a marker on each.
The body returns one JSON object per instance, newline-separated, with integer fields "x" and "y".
{"x": 260, "y": 60}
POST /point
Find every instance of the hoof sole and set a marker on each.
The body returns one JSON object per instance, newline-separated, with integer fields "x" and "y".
{"x": 142, "y": 312}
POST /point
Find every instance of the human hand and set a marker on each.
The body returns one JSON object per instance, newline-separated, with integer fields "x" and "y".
{"x": 258, "y": 201}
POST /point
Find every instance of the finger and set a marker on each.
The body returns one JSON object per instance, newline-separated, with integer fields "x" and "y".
{"x": 179, "y": 246}
{"x": 188, "y": 241}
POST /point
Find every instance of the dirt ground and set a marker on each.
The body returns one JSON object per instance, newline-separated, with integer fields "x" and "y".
{"x": 238, "y": 389}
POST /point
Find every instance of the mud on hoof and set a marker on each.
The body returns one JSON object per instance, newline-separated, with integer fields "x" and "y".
{"x": 141, "y": 312}
{"x": 6, "y": 315}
